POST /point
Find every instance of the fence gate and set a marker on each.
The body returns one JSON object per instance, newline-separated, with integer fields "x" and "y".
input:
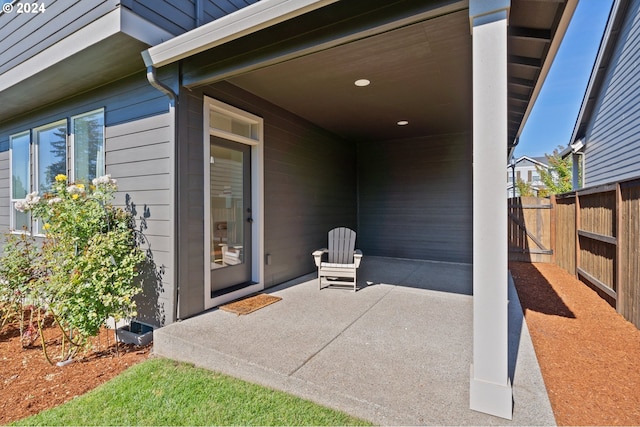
{"x": 531, "y": 231}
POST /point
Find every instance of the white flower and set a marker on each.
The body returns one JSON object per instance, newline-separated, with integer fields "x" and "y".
{"x": 104, "y": 180}
{"x": 32, "y": 198}
{"x": 28, "y": 203}
{"x": 54, "y": 200}
{"x": 21, "y": 205}
{"x": 74, "y": 189}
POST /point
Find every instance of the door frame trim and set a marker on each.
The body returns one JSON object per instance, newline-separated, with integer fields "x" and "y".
{"x": 257, "y": 197}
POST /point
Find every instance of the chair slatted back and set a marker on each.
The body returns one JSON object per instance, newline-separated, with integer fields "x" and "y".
{"x": 342, "y": 243}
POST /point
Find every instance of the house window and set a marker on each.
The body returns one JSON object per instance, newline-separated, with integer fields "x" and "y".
{"x": 51, "y": 154}
{"x": 87, "y": 140}
{"x": 19, "y": 146}
{"x": 36, "y": 162}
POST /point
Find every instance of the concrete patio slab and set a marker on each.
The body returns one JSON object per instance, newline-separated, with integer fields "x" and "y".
{"x": 397, "y": 352}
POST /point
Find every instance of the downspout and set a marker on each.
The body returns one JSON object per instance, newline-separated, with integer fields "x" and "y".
{"x": 173, "y": 101}
{"x": 199, "y": 13}
{"x": 153, "y": 80}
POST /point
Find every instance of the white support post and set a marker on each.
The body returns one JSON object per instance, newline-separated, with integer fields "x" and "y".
{"x": 490, "y": 390}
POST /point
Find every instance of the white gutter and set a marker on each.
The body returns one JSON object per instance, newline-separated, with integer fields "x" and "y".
{"x": 553, "y": 50}
{"x": 250, "y": 19}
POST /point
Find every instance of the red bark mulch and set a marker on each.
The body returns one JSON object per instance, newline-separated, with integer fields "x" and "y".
{"x": 30, "y": 384}
{"x": 589, "y": 354}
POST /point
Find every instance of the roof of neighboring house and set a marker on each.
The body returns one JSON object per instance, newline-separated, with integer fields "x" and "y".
{"x": 598, "y": 74}
{"x": 540, "y": 161}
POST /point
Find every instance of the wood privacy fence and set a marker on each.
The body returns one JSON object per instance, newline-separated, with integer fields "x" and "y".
{"x": 594, "y": 233}
{"x": 530, "y": 223}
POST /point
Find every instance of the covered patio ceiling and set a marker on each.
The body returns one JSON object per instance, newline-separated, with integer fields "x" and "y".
{"x": 420, "y": 72}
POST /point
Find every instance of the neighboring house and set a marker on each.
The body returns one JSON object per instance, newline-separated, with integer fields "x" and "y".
{"x": 526, "y": 169}
{"x": 241, "y": 141}
{"x": 606, "y": 137}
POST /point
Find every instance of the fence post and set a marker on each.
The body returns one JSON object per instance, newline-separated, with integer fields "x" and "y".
{"x": 617, "y": 263}
{"x": 552, "y": 228}
{"x": 577, "y": 236}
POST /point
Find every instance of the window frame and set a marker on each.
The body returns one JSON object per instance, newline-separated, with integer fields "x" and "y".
{"x": 34, "y": 162}
{"x": 73, "y": 145}
{"x": 12, "y": 201}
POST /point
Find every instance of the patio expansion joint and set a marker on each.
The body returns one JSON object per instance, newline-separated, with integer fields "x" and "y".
{"x": 328, "y": 343}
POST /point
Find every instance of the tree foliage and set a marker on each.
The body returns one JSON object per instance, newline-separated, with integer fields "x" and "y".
{"x": 524, "y": 188}
{"x": 558, "y": 178}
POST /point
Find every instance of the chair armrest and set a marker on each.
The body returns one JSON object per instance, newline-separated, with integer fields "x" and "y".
{"x": 317, "y": 255}
{"x": 357, "y": 257}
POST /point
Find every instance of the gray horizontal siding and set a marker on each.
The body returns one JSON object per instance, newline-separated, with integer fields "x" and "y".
{"x": 176, "y": 16}
{"x": 139, "y": 154}
{"x": 214, "y": 9}
{"x": 613, "y": 133}
{"x": 25, "y": 35}
{"x": 179, "y": 16}
{"x": 415, "y": 198}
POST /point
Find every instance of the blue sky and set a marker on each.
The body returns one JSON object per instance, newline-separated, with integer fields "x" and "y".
{"x": 555, "y": 112}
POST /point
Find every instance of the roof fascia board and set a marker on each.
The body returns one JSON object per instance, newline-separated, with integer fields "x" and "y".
{"x": 546, "y": 66}
{"x": 532, "y": 160}
{"x": 247, "y": 20}
{"x": 114, "y": 22}
{"x": 616, "y": 9}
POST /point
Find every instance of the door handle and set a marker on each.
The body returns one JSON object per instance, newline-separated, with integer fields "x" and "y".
{"x": 249, "y": 220}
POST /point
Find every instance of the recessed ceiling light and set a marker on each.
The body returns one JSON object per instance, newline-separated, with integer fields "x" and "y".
{"x": 362, "y": 82}
{"x": 403, "y": 123}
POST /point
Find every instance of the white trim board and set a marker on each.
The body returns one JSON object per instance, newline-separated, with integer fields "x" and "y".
{"x": 257, "y": 200}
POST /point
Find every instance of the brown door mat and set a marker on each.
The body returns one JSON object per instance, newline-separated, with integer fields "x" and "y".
{"x": 250, "y": 304}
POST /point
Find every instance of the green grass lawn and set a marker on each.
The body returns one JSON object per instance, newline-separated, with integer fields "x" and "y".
{"x": 164, "y": 392}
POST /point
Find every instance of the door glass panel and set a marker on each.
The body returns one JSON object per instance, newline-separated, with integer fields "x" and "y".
{"x": 227, "y": 207}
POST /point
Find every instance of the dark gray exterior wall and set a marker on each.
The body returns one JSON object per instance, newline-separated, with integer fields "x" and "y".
{"x": 415, "y": 198}
{"x": 139, "y": 154}
{"x": 180, "y": 16}
{"x": 408, "y": 198}
{"x": 309, "y": 187}
{"x": 613, "y": 133}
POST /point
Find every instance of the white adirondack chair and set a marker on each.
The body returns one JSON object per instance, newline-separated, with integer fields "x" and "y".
{"x": 342, "y": 261}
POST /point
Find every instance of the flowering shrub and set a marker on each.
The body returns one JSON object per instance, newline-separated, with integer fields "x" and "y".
{"x": 18, "y": 270}
{"x": 87, "y": 261}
